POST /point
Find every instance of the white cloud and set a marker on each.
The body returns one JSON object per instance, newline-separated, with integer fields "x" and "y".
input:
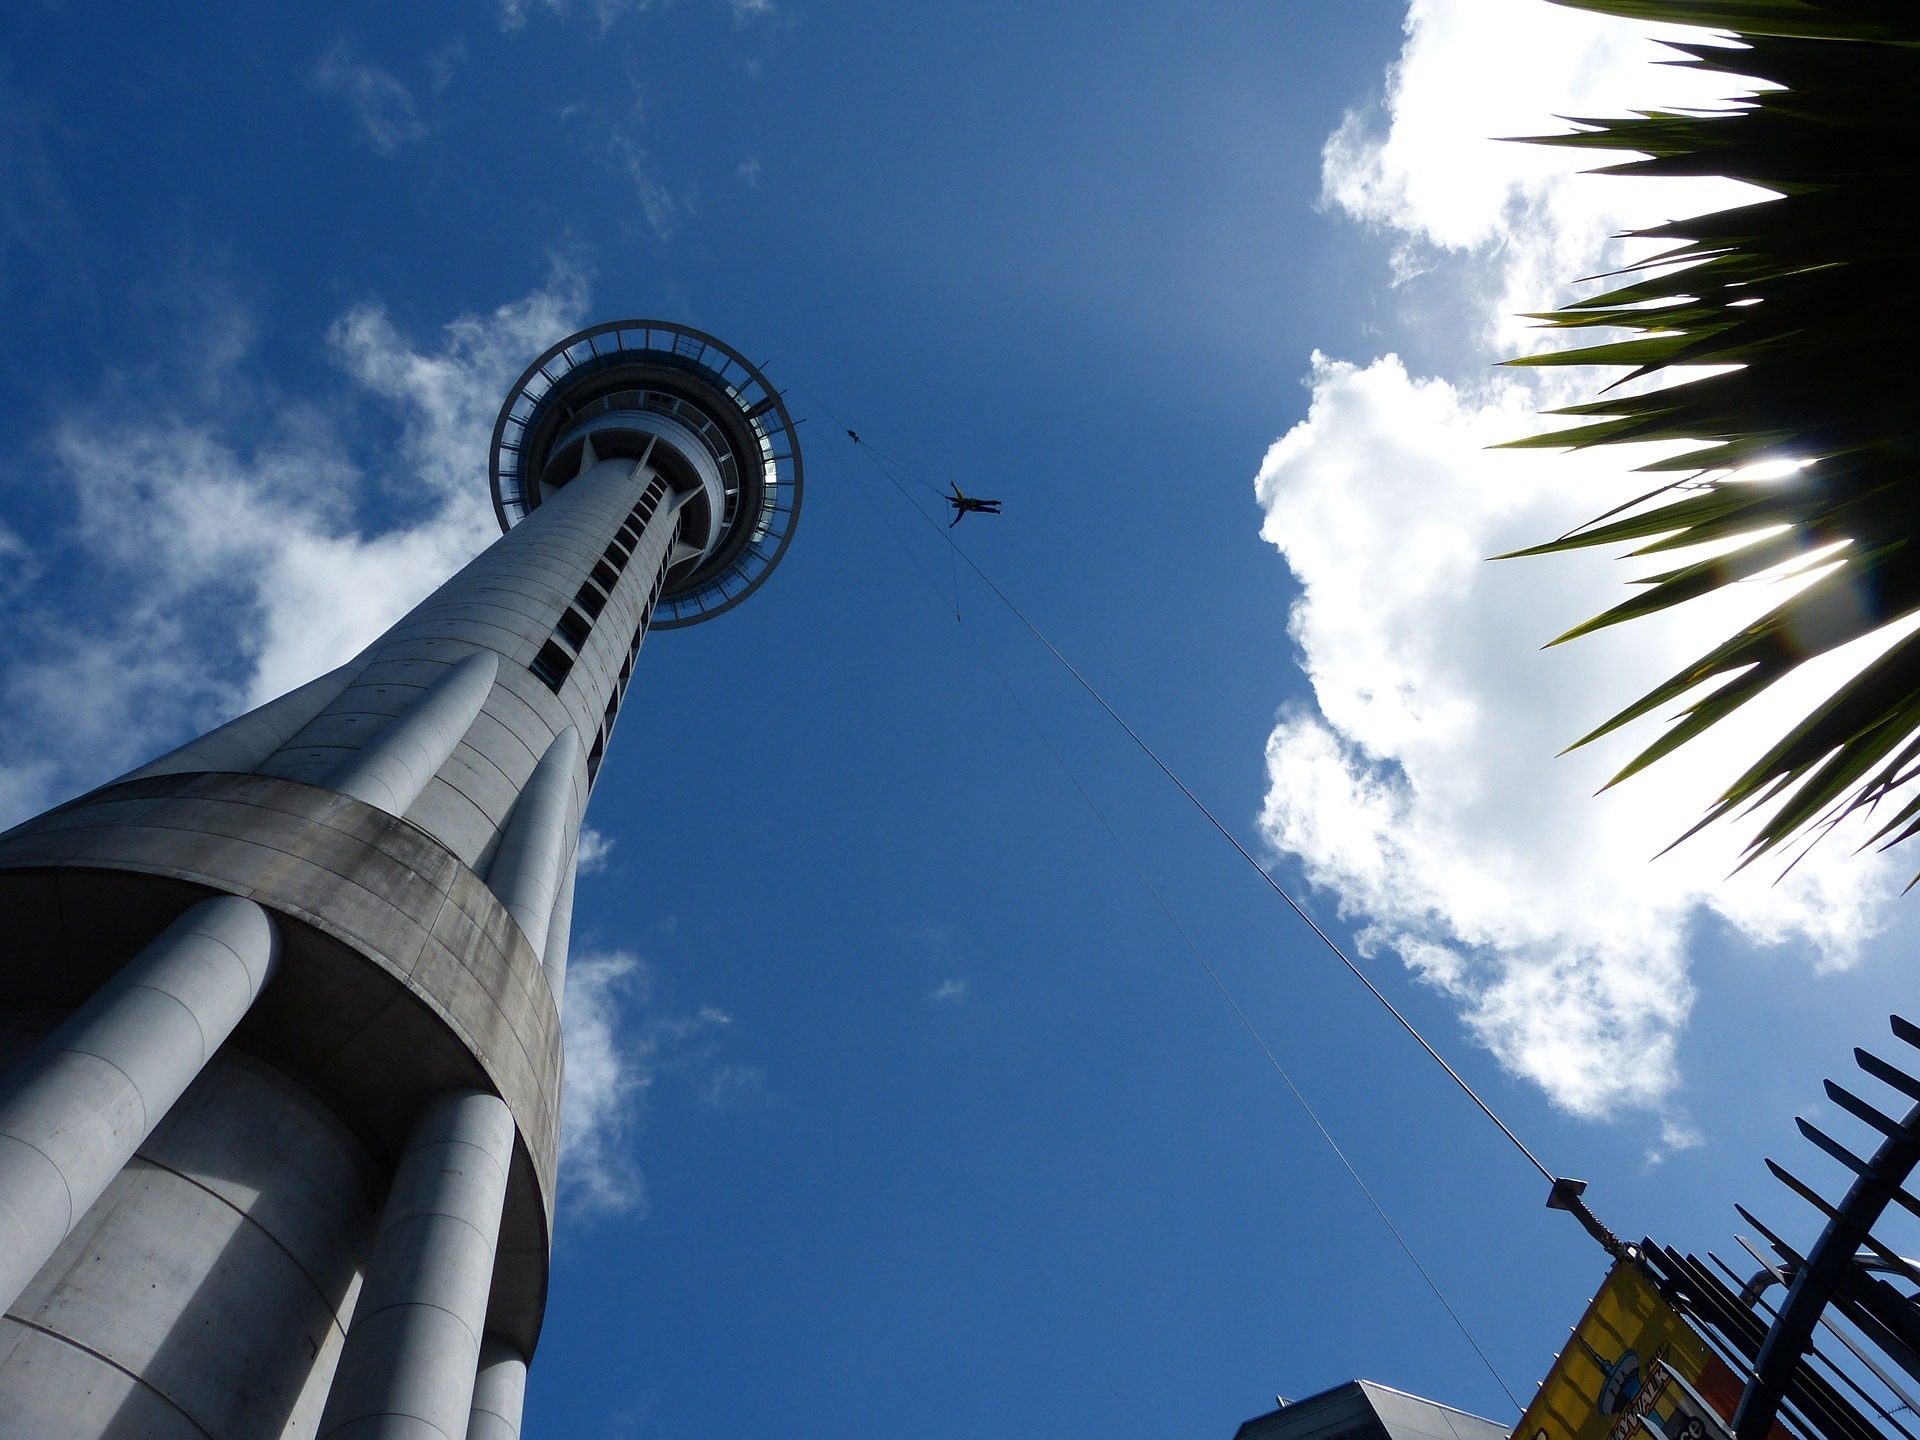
{"x": 18, "y": 565}
{"x": 727, "y": 1086}
{"x": 450, "y": 395}
{"x": 382, "y": 105}
{"x": 605, "y": 13}
{"x": 1424, "y": 168}
{"x": 1422, "y": 788}
{"x": 444, "y": 62}
{"x": 949, "y": 990}
{"x": 592, "y": 851}
{"x": 605, "y": 1083}
{"x": 659, "y": 206}
{"x": 617, "y": 1042}
{"x": 240, "y": 556}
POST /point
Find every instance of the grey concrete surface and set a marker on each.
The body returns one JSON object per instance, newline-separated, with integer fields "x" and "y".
{"x": 404, "y": 975}
{"x": 75, "y": 1109}
{"x": 56, "y": 1391}
{"x": 214, "y": 1277}
{"x": 499, "y": 1392}
{"x": 244, "y": 742}
{"x": 654, "y": 424}
{"x": 506, "y": 601}
{"x": 412, "y": 1353}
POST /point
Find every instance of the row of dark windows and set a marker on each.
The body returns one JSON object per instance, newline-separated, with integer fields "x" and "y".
{"x": 555, "y": 661}
{"x": 626, "y": 673}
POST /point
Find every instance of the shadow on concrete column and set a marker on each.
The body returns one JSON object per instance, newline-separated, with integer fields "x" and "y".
{"x": 73, "y": 1111}
{"x": 408, "y": 1369}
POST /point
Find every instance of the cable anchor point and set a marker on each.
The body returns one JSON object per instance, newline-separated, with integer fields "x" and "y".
{"x": 1566, "y": 1195}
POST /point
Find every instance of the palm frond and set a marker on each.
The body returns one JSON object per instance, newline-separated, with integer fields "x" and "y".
{"x": 1811, "y": 299}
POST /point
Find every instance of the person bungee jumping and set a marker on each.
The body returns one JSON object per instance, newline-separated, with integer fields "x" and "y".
{"x": 968, "y": 505}
{"x": 962, "y": 503}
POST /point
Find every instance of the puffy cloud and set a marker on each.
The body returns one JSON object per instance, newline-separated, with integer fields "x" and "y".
{"x": 449, "y": 396}
{"x": 1424, "y": 789}
{"x": 1421, "y": 788}
{"x": 244, "y": 559}
{"x": 1425, "y": 167}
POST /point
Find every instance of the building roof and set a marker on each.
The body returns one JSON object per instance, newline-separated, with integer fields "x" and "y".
{"x": 1362, "y": 1410}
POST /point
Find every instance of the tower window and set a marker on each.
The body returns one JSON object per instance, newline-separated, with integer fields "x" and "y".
{"x": 574, "y": 628}
{"x": 590, "y": 599}
{"x": 552, "y": 665}
{"x": 643, "y": 511}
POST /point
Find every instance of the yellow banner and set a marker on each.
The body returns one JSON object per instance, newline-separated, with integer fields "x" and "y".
{"x": 1633, "y": 1370}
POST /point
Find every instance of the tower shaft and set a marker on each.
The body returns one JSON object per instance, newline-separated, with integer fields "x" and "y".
{"x": 312, "y": 1193}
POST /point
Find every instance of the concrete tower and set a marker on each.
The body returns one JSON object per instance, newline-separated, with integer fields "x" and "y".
{"x": 280, "y": 1055}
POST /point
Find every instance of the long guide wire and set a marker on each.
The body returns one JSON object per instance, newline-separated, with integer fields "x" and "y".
{"x": 880, "y": 462}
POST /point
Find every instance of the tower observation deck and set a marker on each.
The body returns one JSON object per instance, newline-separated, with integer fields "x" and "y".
{"x": 280, "y": 1048}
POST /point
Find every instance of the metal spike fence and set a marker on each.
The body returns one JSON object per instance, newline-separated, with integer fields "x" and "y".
{"x": 1838, "y": 1355}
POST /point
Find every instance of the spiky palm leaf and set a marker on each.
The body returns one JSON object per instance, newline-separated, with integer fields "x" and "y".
{"x": 1815, "y": 297}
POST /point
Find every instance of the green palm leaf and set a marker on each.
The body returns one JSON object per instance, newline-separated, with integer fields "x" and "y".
{"x": 1813, "y": 298}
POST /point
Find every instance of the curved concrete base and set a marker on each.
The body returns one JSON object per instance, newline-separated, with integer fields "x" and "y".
{"x": 402, "y": 974}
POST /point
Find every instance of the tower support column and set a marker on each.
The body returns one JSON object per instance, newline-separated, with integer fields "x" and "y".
{"x": 499, "y": 1392}
{"x": 74, "y": 1110}
{"x": 393, "y": 768}
{"x": 560, "y": 933}
{"x": 408, "y": 1369}
{"x": 529, "y": 870}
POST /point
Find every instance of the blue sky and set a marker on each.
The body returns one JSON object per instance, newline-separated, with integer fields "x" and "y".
{"x": 896, "y": 1102}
